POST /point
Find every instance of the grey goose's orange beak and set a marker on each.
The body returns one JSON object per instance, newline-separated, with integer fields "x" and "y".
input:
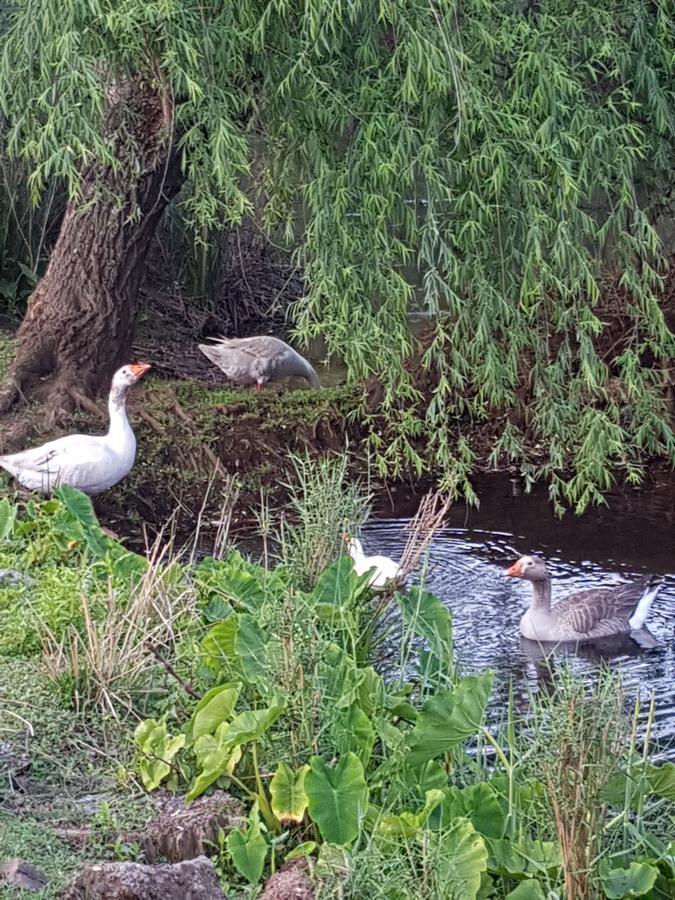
{"x": 515, "y": 571}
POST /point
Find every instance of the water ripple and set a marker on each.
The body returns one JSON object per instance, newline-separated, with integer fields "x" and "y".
{"x": 465, "y": 570}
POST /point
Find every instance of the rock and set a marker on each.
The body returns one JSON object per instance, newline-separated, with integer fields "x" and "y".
{"x": 184, "y": 832}
{"x": 291, "y": 882}
{"x": 17, "y": 873}
{"x": 12, "y": 762}
{"x": 193, "y": 879}
{"x": 13, "y": 578}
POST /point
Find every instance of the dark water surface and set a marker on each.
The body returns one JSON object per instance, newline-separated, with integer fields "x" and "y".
{"x": 634, "y": 535}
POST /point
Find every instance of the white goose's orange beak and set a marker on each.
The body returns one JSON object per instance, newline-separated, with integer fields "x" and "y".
{"x": 515, "y": 571}
{"x": 139, "y": 369}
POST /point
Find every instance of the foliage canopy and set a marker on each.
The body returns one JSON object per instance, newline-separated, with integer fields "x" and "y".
{"x": 485, "y": 163}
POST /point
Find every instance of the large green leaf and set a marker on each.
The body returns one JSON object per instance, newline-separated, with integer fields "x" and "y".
{"x": 346, "y": 683}
{"x": 337, "y": 797}
{"x": 407, "y": 824}
{"x": 635, "y": 881}
{"x": 651, "y": 779}
{"x": 157, "y": 751}
{"x": 248, "y": 849}
{"x": 251, "y": 725}
{"x": 289, "y": 800}
{"x": 528, "y": 889}
{"x": 662, "y": 780}
{"x": 215, "y": 707}
{"x": 7, "y": 518}
{"x": 218, "y": 645}
{"x": 449, "y": 718}
{"x": 461, "y": 862}
{"x": 339, "y": 585}
{"x": 524, "y": 857}
{"x": 427, "y": 616}
{"x": 420, "y": 779}
{"x": 215, "y": 757}
{"x": 216, "y": 754}
{"x": 250, "y": 645}
{"x": 351, "y": 729}
{"x": 242, "y": 583}
{"x": 302, "y": 850}
{"x": 478, "y": 803}
{"x": 80, "y": 511}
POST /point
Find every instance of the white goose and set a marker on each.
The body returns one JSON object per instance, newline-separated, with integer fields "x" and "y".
{"x": 386, "y": 571}
{"x": 90, "y": 463}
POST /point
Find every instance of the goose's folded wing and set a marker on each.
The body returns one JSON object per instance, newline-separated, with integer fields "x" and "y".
{"x": 73, "y": 450}
{"x": 234, "y": 362}
{"x": 35, "y": 458}
{"x": 260, "y": 347}
{"x": 595, "y": 612}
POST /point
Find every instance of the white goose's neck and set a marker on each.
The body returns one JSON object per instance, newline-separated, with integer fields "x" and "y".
{"x": 356, "y": 550}
{"x": 119, "y": 430}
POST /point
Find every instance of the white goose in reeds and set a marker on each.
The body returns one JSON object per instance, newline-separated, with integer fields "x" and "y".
{"x": 90, "y": 463}
{"x": 585, "y": 615}
{"x": 258, "y": 360}
{"x": 385, "y": 571}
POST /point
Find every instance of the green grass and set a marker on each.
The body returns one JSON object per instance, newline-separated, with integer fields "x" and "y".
{"x": 6, "y": 351}
{"x": 38, "y": 844}
{"x": 79, "y": 777}
{"x": 54, "y": 599}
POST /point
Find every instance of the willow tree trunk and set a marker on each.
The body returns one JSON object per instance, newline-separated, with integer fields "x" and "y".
{"x": 78, "y": 325}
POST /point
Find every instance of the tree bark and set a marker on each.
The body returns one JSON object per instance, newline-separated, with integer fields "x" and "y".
{"x": 78, "y": 325}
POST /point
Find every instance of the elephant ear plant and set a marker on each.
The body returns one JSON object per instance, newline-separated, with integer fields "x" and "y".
{"x": 299, "y": 723}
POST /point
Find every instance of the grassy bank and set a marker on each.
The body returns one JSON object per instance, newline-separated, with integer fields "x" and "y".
{"x": 195, "y": 439}
{"x": 122, "y": 678}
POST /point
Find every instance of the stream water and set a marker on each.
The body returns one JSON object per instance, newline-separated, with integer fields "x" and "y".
{"x": 633, "y": 536}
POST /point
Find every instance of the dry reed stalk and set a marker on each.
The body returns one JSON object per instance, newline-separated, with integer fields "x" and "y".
{"x": 229, "y": 494}
{"x": 426, "y": 522}
{"x": 107, "y": 660}
{"x": 584, "y": 736}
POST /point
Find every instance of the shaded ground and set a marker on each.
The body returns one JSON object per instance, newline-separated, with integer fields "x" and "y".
{"x": 65, "y": 800}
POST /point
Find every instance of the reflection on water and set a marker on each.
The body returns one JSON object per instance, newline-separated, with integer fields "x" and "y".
{"x": 634, "y": 536}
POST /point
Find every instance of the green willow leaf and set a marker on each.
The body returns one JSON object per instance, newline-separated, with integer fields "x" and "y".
{"x": 487, "y": 175}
